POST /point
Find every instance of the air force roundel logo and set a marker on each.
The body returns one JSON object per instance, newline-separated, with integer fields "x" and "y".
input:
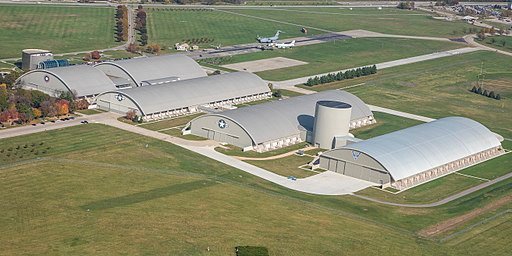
{"x": 46, "y": 79}
{"x": 119, "y": 97}
{"x": 355, "y": 154}
{"x": 222, "y": 124}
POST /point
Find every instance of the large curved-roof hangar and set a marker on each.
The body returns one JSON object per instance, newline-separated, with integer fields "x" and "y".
{"x": 170, "y": 99}
{"x": 80, "y": 80}
{"x": 416, "y": 154}
{"x": 275, "y": 124}
{"x": 153, "y": 70}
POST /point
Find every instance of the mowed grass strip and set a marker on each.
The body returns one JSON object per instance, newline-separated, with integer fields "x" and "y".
{"x": 386, "y": 123}
{"x": 168, "y": 26}
{"x": 286, "y": 166}
{"x": 343, "y": 54}
{"x": 426, "y": 193}
{"x": 387, "y": 20}
{"x": 56, "y": 28}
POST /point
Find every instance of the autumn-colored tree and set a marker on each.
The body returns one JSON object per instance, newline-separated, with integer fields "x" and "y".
{"x": 81, "y": 104}
{"x": 37, "y": 112}
{"x": 153, "y": 48}
{"x": 133, "y": 48}
{"x": 48, "y": 108}
{"x": 62, "y": 107}
{"x": 95, "y": 55}
{"x": 131, "y": 114}
{"x": 3, "y": 97}
{"x": 4, "y": 116}
{"x": 87, "y": 57}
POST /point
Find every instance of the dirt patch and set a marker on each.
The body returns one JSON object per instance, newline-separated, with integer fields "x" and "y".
{"x": 11, "y": 25}
{"x": 265, "y": 64}
{"x": 452, "y": 223}
{"x": 407, "y": 84}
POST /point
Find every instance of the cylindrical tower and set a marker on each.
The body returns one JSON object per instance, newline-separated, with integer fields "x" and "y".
{"x": 332, "y": 118}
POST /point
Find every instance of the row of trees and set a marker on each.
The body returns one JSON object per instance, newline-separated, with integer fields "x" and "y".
{"x": 492, "y": 31}
{"x": 122, "y": 23}
{"x": 22, "y": 106}
{"x": 140, "y": 25}
{"x": 486, "y": 93}
{"x": 349, "y": 74}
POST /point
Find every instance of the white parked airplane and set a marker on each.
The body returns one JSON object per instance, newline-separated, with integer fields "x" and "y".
{"x": 284, "y": 45}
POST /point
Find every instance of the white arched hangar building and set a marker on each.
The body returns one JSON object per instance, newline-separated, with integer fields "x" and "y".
{"x": 415, "y": 155}
{"x": 276, "y": 124}
{"x": 185, "y": 96}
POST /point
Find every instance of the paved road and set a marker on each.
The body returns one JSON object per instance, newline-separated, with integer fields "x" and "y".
{"x": 445, "y": 200}
{"x": 287, "y": 84}
{"x": 400, "y": 113}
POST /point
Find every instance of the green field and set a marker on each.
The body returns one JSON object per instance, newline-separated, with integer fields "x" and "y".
{"x": 386, "y": 123}
{"x": 387, "y": 20}
{"x": 286, "y": 166}
{"x": 169, "y": 123}
{"x": 169, "y": 26}
{"x": 342, "y": 54}
{"x": 503, "y": 43}
{"x": 100, "y": 190}
{"x": 56, "y": 28}
{"x": 440, "y": 88}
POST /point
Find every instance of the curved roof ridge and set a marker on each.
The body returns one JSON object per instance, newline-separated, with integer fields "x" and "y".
{"x": 426, "y": 145}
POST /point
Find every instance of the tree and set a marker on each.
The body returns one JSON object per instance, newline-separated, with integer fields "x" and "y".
{"x": 131, "y": 114}
{"x": 479, "y": 90}
{"x": 81, "y": 104}
{"x": 36, "y": 112}
{"x": 48, "y": 108}
{"x": 95, "y": 55}
{"x": 3, "y": 97}
{"x": 277, "y": 93}
{"x": 473, "y": 89}
{"x": 485, "y": 93}
{"x": 498, "y": 96}
{"x": 481, "y": 35}
{"x": 62, "y": 107}
{"x": 491, "y": 94}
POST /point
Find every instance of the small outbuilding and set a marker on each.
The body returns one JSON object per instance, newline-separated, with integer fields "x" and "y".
{"x": 412, "y": 156}
{"x": 185, "y": 96}
{"x": 281, "y": 123}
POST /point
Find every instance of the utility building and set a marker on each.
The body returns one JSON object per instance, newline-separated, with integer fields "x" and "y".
{"x": 277, "y": 124}
{"x": 151, "y": 70}
{"x": 30, "y": 58}
{"x": 412, "y": 156}
{"x": 186, "y": 96}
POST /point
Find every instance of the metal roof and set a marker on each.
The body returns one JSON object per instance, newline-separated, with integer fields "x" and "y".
{"x": 83, "y": 79}
{"x": 413, "y": 150}
{"x": 283, "y": 118}
{"x": 158, "y": 67}
{"x": 192, "y": 92}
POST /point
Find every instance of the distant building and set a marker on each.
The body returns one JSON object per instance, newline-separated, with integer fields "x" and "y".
{"x": 30, "y": 58}
{"x": 182, "y": 47}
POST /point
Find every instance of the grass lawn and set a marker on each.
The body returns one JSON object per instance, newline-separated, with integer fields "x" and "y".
{"x": 91, "y": 111}
{"x": 286, "y": 166}
{"x": 236, "y": 151}
{"x": 491, "y": 169}
{"x": 503, "y": 43}
{"x": 168, "y": 123}
{"x": 176, "y": 132}
{"x": 426, "y": 193}
{"x": 387, "y": 20}
{"x": 99, "y": 190}
{"x": 168, "y": 26}
{"x": 440, "y": 88}
{"x": 343, "y": 54}
{"x": 386, "y": 123}
{"x": 57, "y": 28}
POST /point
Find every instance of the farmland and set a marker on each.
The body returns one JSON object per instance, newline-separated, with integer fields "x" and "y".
{"x": 56, "y": 28}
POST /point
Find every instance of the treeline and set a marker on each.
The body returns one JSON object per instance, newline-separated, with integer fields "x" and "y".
{"x": 486, "y": 93}
{"x": 121, "y": 23}
{"x": 349, "y": 74}
{"x": 18, "y": 106}
{"x": 140, "y": 25}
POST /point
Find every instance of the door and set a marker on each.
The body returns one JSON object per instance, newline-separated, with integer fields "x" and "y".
{"x": 211, "y": 135}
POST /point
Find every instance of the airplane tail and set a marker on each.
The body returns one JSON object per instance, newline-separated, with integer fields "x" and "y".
{"x": 293, "y": 42}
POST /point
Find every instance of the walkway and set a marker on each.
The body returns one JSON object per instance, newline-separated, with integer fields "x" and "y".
{"x": 273, "y": 157}
{"x": 445, "y": 200}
